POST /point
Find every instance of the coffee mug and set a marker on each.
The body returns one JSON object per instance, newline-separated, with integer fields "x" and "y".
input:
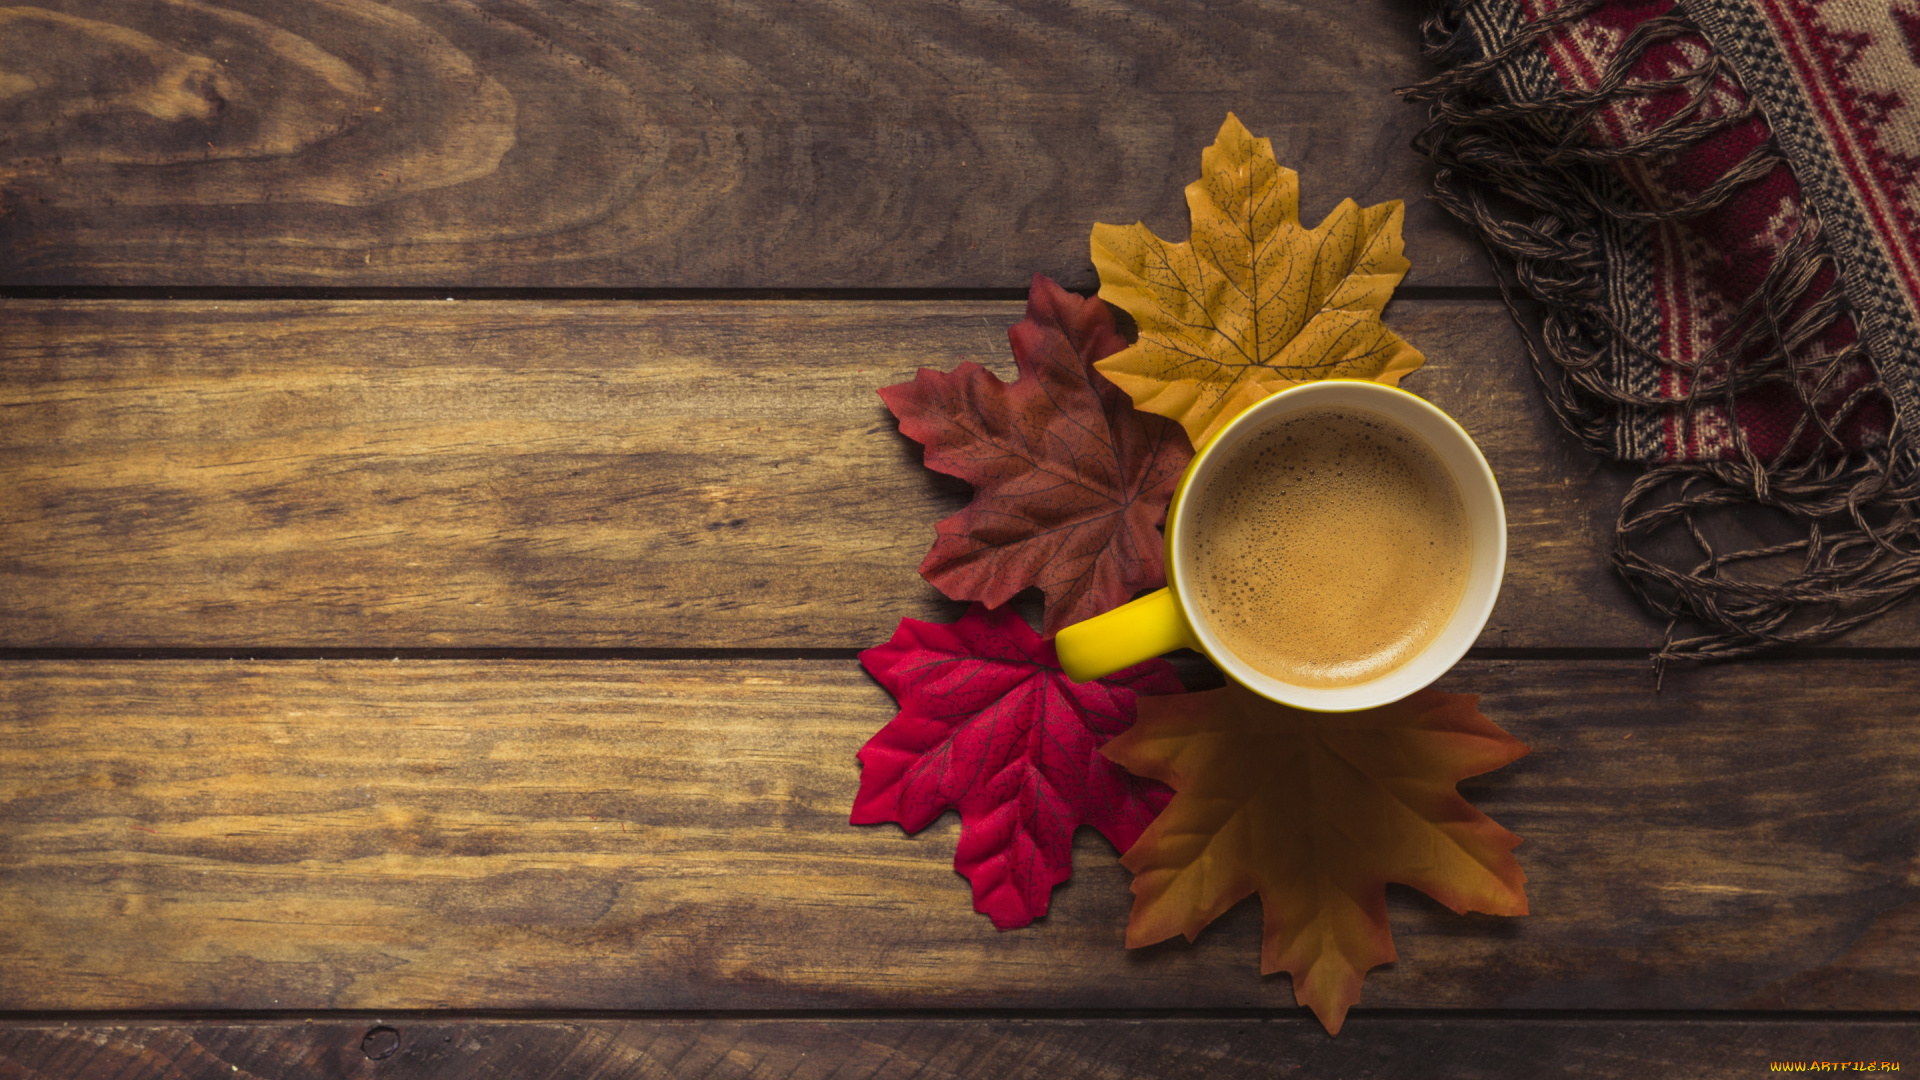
{"x": 1315, "y": 550}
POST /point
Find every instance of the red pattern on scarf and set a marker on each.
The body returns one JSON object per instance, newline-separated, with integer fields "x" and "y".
{"x": 1706, "y": 266}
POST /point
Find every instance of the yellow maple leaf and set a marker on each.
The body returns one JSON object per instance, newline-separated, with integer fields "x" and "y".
{"x": 1253, "y": 302}
{"x": 1316, "y": 812}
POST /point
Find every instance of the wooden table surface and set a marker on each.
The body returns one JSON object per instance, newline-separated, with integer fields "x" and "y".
{"x": 443, "y": 495}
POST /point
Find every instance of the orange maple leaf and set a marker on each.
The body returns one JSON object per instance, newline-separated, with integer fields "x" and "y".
{"x": 1253, "y": 301}
{"x": 1316, "y": 812}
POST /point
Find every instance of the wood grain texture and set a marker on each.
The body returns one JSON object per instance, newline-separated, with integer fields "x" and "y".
{"x": 483, "y": 474}
{"x": 679, "y": 143}
{"x": 672, "y": 835}
{"x": 1373, "y": 1047}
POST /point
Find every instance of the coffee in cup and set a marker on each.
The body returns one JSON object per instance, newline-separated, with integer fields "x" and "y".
{"x": 1330, "y": 550}
{"x": 1335, "y": 547}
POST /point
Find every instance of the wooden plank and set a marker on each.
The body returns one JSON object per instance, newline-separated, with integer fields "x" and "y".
{"x": 1381, "y": 1047}
{"x": 679, "y": 143}
{"x": 419, "y": 474}
{"x": 672, "y": 835}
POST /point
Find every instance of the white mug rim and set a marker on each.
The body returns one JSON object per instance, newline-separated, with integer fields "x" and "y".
{"x": 1486, "y": 516}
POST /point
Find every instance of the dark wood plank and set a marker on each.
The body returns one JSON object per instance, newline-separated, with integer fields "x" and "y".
{"x": 672, "y": 835}
{"x": 386, "y": 474}
{"x": 1374, "y": 1046}
{"x": 680, "y": 143}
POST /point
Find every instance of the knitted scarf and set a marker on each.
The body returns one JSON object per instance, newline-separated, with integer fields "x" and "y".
{"x": 1714, "y": 206}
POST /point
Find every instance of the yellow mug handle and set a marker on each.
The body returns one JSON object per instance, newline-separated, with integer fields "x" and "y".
{"x": 1135, "y": 631}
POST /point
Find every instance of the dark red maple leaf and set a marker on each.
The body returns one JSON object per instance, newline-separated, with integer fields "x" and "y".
{"x": 990, "y": 726}
{"x": 1070, "y": 480}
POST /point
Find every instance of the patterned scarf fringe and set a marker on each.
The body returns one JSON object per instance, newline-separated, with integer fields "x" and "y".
{"x": 1541, "y": 196}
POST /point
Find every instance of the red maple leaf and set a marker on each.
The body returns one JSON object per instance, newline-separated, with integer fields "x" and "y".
{"x": 1070, "y": 481}
{"x": 990, "y": 726}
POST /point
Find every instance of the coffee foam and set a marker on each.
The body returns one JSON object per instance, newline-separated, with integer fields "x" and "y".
{"x": 1331, "y": 549}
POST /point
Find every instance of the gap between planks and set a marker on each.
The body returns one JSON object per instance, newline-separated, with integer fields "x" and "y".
{"x": 216, "y": 293}
{"x": 508, "y": 652}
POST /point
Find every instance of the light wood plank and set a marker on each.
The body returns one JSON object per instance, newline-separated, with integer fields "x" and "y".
{"x": 677, "y": 143}
{"x": 1467, "y": 1048}
{"x": 418, "y": 474}
{"x": 672, "y": 835}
